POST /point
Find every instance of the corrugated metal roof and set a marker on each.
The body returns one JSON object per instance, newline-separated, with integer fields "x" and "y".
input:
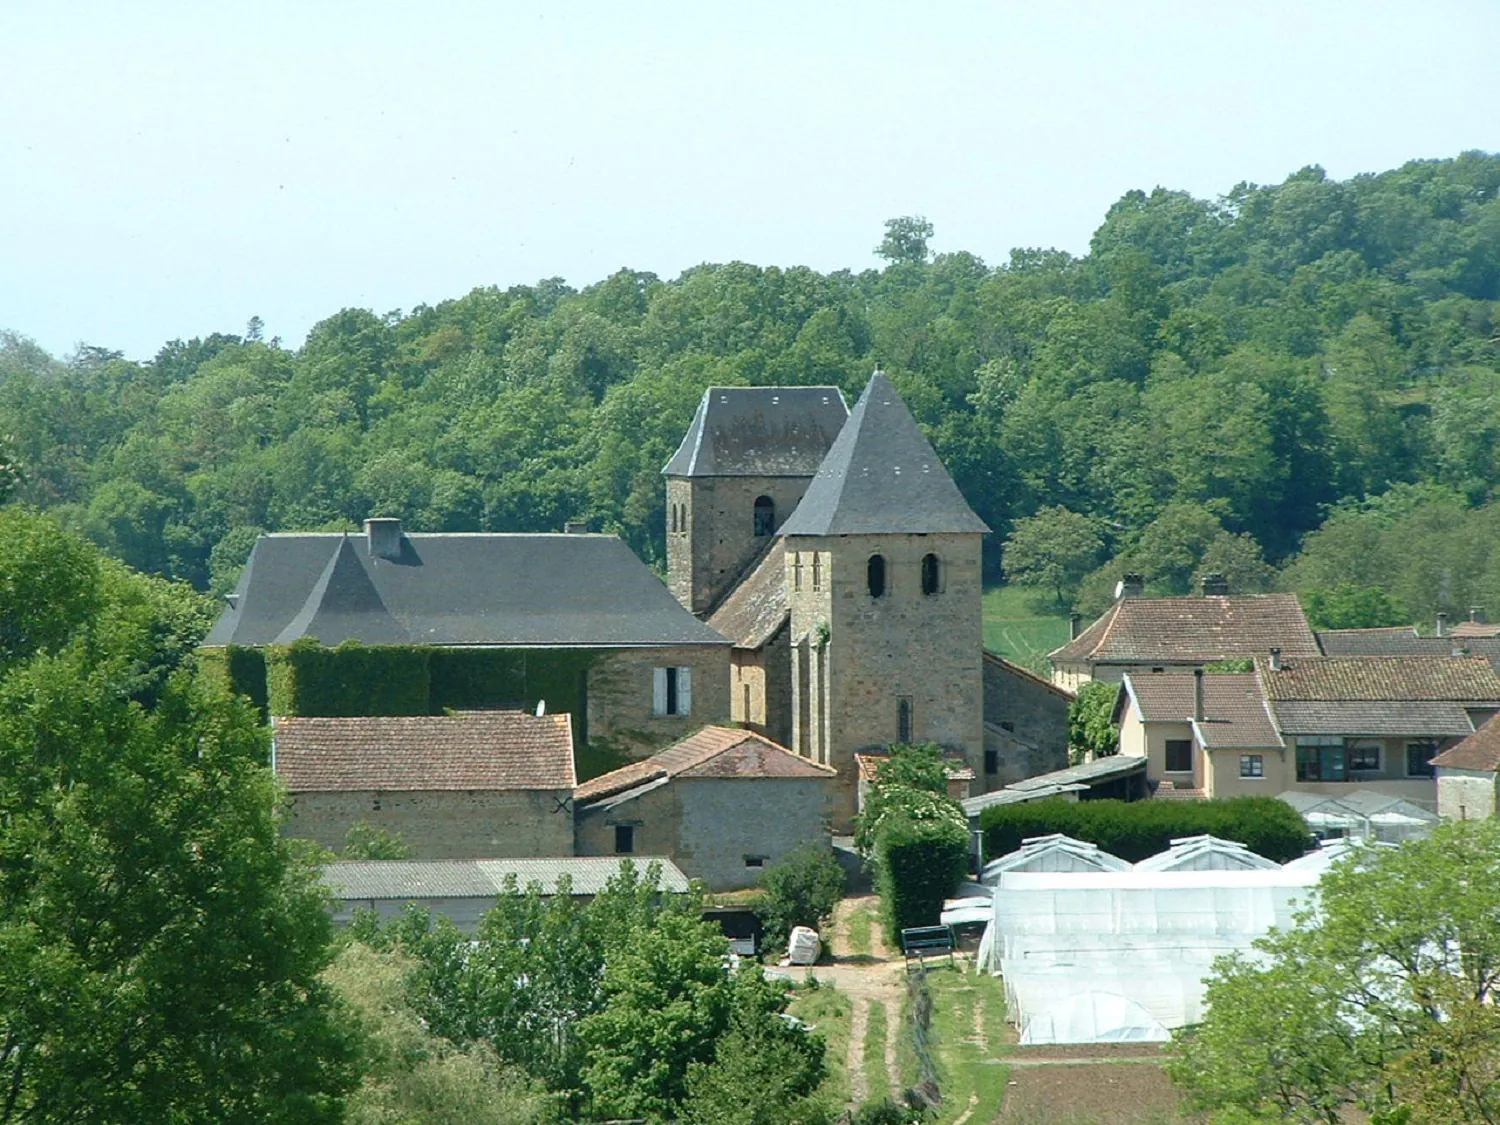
{"x": 482, "y": 878}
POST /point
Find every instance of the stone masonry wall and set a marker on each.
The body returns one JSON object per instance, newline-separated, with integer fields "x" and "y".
{"x": 923, "y": 648}
{"x": 509, "y": 824}
{"x": 654, "y": 815}
{"x": 705, "y": 561}
{"x": 1026, "y": 724}
{"x": 620, "y": 696}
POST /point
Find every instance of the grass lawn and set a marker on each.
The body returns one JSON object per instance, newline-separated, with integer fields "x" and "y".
{"x": 968, "y": 1021}
{"x": 1023, "y": 626}
{"x": 830, "y": 1012}
{"x": 860, "y": 924}
{"x": 877, "y": 1078}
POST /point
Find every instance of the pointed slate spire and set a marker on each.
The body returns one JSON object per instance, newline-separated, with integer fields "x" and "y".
{"x": 344, "y": 603}
{"x": 882, "y": 477}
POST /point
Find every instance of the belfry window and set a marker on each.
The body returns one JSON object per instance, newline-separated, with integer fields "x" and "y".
{"x": 931, "y": 574}
{"x": 765, "y": 516}
{"x": 817, "y": 570}
{"x": 875, "y": 576}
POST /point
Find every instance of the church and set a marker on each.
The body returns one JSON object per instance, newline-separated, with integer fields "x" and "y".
{"x": 837, "y": 556}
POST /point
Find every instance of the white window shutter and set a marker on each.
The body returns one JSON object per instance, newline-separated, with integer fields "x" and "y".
{"x": 658, "y": 691}
{"x": 684, "y": 690}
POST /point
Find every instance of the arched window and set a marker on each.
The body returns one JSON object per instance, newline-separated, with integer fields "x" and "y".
{"x": 673, "y": 515}
{"x": 903, "y": 719}
{"x": 875, "y": 576}
{"x": 931, "y": 574}
{"x": 765, "y": 515}
{"x": 817, "y": 570}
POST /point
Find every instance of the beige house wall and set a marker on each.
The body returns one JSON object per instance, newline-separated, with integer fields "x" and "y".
{"x": 506, "y": 824}
{"x": 1466, "y": 794}
{"x": 1224, "y": 780}
{"x": 620, "y": 696}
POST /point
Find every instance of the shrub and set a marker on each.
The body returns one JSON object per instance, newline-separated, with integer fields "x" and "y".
{"x": 1135, "y": 830}
{"x": 918, "y": 863}
{"x": 1090, "y": 729}
{"x": 801, "y": 889}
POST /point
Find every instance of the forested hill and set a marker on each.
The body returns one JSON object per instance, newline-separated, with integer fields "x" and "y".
{"x": 1209, "y": 385}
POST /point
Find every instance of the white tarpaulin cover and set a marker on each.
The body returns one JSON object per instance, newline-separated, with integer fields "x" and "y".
{"x": 803, "y": 946}
{"x": 1093, "y": 1017}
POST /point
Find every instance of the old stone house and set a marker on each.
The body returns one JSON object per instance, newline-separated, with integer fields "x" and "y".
{"x": 1468, "y": 774}
{"x": 1314, "y": 725}
{"x": 724, "y": 803}
{"x": 480, "y": 785}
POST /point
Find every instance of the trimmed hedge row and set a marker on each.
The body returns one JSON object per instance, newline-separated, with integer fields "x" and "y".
{"x": 1134, "y": 830}
{"x": 305, "y": 678}
{"x": 918, "y": 863}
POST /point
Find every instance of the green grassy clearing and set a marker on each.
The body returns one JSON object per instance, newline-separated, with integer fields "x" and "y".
{"x": 877, "y": 1078}
{"x": 830, "y": 1012}
{"x": 964, "y": 1070}
{"x": 1023, "y": 625}
{"x": 861, "y": 922}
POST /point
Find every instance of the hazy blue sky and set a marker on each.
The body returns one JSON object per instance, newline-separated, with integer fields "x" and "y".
{"x": 169, "y": 169}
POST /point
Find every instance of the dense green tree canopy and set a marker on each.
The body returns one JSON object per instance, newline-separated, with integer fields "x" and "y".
{"x": 1203, "y": 387}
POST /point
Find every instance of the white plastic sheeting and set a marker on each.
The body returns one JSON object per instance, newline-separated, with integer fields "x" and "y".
{"x": 1363, "y": 812}
{"x": 1052, "y": 853}
{"x": 1093, "y": 1017}
{"x": 1206, "y": 853}
{"x": 1147, "y": 937}
{"x": 1331, "y": 851}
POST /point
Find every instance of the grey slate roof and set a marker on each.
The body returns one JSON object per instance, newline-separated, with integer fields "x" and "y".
{"x": 480, "y": 878}
{"x": 759, "y": 431}
{"x": 882, "y": 477}
{"x": 455, "y": 589}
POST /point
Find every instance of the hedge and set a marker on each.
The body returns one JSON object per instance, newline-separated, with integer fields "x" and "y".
{"x": 1134, "y": 830}
{"x": 918, "y": 864}
{"x": 304, "y": 678}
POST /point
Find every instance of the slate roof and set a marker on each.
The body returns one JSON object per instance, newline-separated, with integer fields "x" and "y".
{"x": 480, "y": 878}
{"x": 1480, "y": 751}
{"x": 711, "y": 752}
{"x": 1193, "y": 630}
{"x": 757, "y": 608}
{"x": 455, "y": 589}
{"x": 1467, "y": 679}
{"x": 1235, "y": 712}
{"x": 760, "y": 431}
{"x": 476, "y": 750}
{"x": 882, "y": 477}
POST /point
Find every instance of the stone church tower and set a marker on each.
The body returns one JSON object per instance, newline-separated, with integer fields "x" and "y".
{"x": 883, "y": 584}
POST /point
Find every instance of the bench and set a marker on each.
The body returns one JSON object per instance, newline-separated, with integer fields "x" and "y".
{"x": 918, "y": 941}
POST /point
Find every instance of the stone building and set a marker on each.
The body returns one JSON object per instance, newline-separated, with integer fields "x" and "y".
{"x": 724, "y": 803}
{"x": 487, "y": 784}
{"x": 1468, "y": 774}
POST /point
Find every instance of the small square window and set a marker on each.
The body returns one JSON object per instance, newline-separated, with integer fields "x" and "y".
{"x": 1365, "y": 757}
{"x": 1179, "y": 755}
{"x": 755, "y": 861}
{"x": 624, "y": 839}
{"x": 672, "y": 691}
{"x": 1419, "y": 757}
{"x": 992, "y": 761}
{"x": 1252, "y": 765}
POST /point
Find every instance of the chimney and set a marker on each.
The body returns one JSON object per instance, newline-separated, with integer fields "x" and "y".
{"x": 1275, "y": 659}
{"x": 1476, "y": 614}
{"x": 1198, "y": 694}
{"x": 384, "y": 537}
{"x": 1442, "y": 625}
{"x": 1214, "y": 584}
{"x": 1130, "y": 586}
{"x": 1075, "y": 625}
{"x": 576, "y": 527}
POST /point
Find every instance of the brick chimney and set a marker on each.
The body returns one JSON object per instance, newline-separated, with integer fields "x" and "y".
{"x": 576, "y": 527}
{"x": 1130, "y": 586}
{"x": 1214, "y": 584}
{"x": 1476, "y": 614}
{"x": 1198, "y": 694}
{"x": 383, "y": 534}
{"x": 1275, "y": 659}
{"x": 1075, "y": 625}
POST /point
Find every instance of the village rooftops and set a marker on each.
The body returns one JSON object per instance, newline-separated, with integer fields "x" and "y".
{"x": 1404, "y": 641}
{"x": 1380, "y": 695}
{"x": 1235, "y": 714}
{"x": 1195, "y": 629}
{"x": 711, "y": 752}
{"x": 760, "y": 432}
{"x": 1479, "y": 751}
{"x": 387, "y": 588}
{"x": 882, "y": 477}
{"x": 474, "y": 751}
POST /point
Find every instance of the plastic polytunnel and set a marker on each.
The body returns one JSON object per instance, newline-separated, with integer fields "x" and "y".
{"x": 1206, "y": 853}
{"x": 1052, "y": 853}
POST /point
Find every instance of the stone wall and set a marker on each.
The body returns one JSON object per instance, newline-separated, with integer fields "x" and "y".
{"x": 704, "y": 561}
{"x": 760, "y": 688}
{"x": 1465, "y": 794}
{"x": 1026, "y": 725}
{"x": 620, "y": 700}
{"x": 509, "y": 824}
{"x": 711, "y": 827}
{"x": 906, "y": 645}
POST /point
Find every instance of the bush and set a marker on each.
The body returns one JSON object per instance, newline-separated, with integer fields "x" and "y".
{"x": 1090, "y": 729}
{"x": 918, "y": 863}
{"x": 801, "y": 889}
{"x": 1135, "y": 830}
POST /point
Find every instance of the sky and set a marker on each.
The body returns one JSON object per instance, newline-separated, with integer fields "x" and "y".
{"x": 170, "y": 169}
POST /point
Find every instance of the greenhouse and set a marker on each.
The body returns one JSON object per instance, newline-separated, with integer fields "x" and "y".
{"x": 1366, "y": 813}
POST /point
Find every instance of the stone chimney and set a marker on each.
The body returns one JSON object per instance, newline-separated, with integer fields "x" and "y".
{"x": 1130, "y": 586}
{"x": 1075, "y": 625}
{"x": 383, "y": 534}
{"x": 1476, "y": 614}
{"x": 1198, "y": 694}
{"x": 1275, "y": 659}
{"x": 1214, "y": 584}
{"x": 576, "y": 527}
{"x": 1442, "y": 625}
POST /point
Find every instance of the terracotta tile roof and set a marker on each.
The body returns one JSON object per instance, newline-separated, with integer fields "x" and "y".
{"x": 1373, "y": 718}
{"x": 1166, "y": 791}
{"x": 478, "y": 750}
{"x": 1480, "y": 751}
{"x": 1194, "y": 630}
{"x": 1382, "y": 679}
{"x": 712, "y": 752}
{"x": 1234, "y": 708}
{"x": 757, "y": 608}
{"x": 1475, "y": 629}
